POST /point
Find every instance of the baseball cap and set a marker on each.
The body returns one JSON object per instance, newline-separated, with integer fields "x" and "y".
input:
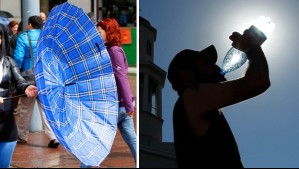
{"x": 184, "y": 59}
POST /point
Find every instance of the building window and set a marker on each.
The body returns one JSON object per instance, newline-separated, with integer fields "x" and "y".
{"x": 124, "y": 11}
{"x": 54, "y": 3}
{"x": 47, "y": 5}
{"x": 153, "y": 98}
{"x": 154, "y": 109}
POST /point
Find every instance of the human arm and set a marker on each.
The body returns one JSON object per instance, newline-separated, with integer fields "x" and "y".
{"x": 120, "y": 68}
{"x": 30, "y": 91}
{"x": 206, "y": 97}
{"x": 12, "y": 76}
{"x": 21, "y": 84}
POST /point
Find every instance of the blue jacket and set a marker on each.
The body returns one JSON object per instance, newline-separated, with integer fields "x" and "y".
{"x": 22, "y": 53}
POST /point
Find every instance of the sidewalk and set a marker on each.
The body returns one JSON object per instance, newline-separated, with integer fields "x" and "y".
{"x": 36, "y": 154}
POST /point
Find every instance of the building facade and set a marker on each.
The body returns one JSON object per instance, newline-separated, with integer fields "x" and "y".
{"x": 153, "y": 153}
{"x": 122, "y": 10}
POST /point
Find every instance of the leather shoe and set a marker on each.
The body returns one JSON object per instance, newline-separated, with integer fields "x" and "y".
{"x": 53, "y": 144}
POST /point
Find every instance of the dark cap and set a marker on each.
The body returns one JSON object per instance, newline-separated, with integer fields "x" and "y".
{"x": 184, "y": 59}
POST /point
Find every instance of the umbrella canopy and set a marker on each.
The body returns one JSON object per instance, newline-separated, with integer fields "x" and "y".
{"x": 76, "y": 84}
{"x": 5, "y": 14}
{"x": 4, "y": 21}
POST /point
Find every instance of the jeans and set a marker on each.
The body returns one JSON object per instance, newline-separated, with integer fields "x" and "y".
{"x": 127, "y": 130}
{"x": 6, "y": 152}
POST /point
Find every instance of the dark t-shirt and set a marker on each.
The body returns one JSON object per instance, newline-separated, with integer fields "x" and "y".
{"x": 217, "y": 148}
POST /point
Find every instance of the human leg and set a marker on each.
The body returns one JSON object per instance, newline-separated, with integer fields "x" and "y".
{"x": 6, "y": 152}
{"x": 48, "y": 130}
{"x": 126, "y": 127}
{"x": 25, "y": 112}
{"x": 19, "y": 106}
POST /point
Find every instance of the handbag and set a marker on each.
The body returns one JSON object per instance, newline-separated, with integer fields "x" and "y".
{"x": 29, "y": 75}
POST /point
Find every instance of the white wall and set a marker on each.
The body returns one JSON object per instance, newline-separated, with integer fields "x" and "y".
{"x": 85, "y": 4}
{"x": 12, "y": 6}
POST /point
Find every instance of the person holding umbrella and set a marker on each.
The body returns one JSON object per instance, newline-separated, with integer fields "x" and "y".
{"x": 110, "y": 31}
{"x": 9, "y": 73}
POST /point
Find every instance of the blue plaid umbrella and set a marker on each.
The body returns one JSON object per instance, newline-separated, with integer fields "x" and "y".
{"x": 76, "y": 84}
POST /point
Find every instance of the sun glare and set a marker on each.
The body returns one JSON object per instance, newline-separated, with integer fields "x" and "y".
{"x": 265, "y": 25}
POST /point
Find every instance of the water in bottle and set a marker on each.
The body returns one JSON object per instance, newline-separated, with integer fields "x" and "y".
{"x": 236, "y": 58}
{"x": 233, "y": 60}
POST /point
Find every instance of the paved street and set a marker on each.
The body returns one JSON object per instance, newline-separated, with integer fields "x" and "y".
{"x": 36, "y": 154}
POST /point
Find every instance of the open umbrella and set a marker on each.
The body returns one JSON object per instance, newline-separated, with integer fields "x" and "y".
{"x": 5, "y": 14}
{"x": 4, "y": 21}
{"x": 76, "y": 84}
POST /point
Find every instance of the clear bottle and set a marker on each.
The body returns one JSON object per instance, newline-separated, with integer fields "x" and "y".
{"x": 235, "y": 58}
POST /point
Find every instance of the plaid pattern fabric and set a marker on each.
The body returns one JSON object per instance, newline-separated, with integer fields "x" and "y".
{"x": 76, "y": 84}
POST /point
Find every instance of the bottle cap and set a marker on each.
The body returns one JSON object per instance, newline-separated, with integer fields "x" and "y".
{"x": 265, "y": 25}
{"x": 259, "y": 36}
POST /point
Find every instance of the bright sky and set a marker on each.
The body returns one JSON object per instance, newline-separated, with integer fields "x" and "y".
{"x": 266, "y": 127}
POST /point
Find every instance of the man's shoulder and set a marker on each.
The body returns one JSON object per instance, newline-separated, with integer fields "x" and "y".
{"x": 33, "y": 32}
{"x": 22, "y": 35}
{"x": 17, "y": 34}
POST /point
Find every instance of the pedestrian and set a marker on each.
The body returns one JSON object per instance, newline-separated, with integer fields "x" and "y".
{"x": 9, "y": 73}
{"x": 110, "y": 31}
{"x": 24, "y": 56}
{"x": 12, "y": 29}
{"x": 43, "y": 16}
{"x": 202, "y": 136}
{"x": 14, "y": 38}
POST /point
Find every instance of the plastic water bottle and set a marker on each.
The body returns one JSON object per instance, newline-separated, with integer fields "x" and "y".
{"x": 235, "y": 58}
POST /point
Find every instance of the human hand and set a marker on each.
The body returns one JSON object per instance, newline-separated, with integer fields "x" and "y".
{"x": 130, "y": 114}
{"x": 240, "y": 41}
{"x": 250, "y": 39}
{"x": 31, "y": 91}
{"x": 1, "y": 100}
